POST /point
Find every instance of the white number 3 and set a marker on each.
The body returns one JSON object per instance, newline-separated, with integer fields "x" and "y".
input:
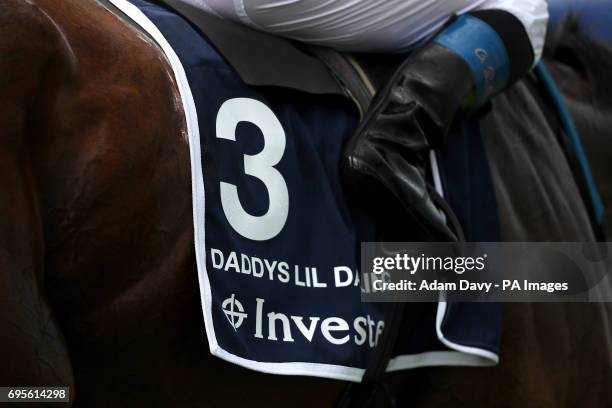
{"x": 260, "y": 165}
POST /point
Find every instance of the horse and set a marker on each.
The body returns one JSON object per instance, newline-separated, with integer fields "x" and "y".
{"x": 580, "y": 67}
{"x": 98, "y": 281}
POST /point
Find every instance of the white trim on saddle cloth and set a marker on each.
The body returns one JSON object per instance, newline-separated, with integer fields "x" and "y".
{"x": 458, "y": 355}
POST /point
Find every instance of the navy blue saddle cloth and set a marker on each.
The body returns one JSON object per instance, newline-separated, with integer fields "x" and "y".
{"x": 277, "y": 239}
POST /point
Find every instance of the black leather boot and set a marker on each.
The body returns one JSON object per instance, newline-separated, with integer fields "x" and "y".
{"x": 386, "y": 162}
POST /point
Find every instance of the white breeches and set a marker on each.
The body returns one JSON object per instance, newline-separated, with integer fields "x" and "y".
{"x": 369, "y": 25}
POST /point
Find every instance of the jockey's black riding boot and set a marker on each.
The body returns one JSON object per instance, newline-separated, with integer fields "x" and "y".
{"x": 452, "y": 76}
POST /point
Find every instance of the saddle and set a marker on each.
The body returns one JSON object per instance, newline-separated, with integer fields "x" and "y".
{"x": 314, "y": 70}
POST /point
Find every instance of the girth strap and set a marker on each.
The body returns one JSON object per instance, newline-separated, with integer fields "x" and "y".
{"x": 371, "y": 389}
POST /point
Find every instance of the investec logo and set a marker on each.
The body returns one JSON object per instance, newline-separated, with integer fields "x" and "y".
{"x": 363, "y": 330}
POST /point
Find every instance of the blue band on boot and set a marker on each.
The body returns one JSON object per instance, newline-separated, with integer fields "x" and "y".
{"x": 483, "y": 50}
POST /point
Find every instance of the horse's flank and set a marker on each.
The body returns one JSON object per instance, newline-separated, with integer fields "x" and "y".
{"x": 89, "y": 146}
{"x": 30, "y": 68}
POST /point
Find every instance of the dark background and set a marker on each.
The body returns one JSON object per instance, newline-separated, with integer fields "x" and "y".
{"x": 596, "y": 15}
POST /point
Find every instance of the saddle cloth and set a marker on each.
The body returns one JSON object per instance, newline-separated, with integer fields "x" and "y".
{"x": 276, "y": 238}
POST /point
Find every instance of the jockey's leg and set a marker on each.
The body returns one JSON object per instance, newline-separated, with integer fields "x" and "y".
{"x": 475, "y": 57}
